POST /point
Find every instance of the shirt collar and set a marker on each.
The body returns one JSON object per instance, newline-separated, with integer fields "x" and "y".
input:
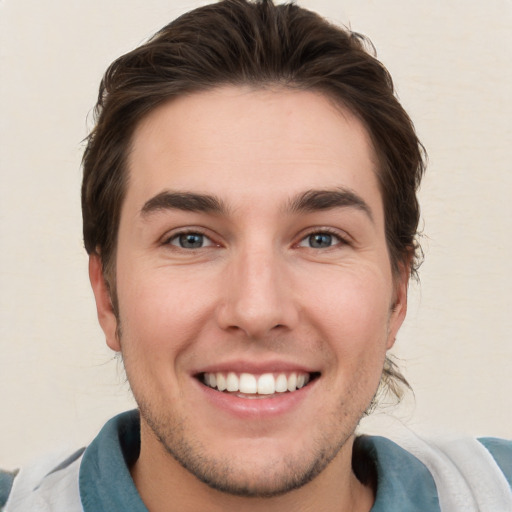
{"x": 105, "y": 481}
{"x": 404, "y": 484}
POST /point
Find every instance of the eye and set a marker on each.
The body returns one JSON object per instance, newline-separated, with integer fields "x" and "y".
{"x": 190, "y": 241}
{"x": 320, "y": 240}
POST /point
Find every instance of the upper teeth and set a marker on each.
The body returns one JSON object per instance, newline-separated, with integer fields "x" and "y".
{"x": 265, "y": 384}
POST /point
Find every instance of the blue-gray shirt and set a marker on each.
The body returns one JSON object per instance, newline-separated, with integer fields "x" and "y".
{"x": 403, "y": 483}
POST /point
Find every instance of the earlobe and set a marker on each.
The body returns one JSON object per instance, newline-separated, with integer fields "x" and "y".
{"x": 106, "y": 314}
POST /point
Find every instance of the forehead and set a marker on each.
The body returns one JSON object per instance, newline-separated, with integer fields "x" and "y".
{"x": 245, "y": 143}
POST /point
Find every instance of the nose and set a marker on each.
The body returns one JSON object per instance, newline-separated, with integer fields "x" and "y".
{"x": 258, "y": 296}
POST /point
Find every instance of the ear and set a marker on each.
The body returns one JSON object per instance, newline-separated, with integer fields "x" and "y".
{"x": 106, "y": 315}
{"x": 399, "y": 304}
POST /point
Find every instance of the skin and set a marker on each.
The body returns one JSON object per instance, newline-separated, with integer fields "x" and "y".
{"x": 258, "y": 292}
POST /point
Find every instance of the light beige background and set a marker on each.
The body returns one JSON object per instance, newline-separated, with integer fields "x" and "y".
{"x": 451, "y": 61}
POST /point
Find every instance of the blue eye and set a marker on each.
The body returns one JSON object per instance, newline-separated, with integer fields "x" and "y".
{"x": 190, "y": 241}
{"x": 320, "y": 240}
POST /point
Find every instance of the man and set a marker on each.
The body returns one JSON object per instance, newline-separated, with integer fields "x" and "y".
{"x": 250, "y": 212}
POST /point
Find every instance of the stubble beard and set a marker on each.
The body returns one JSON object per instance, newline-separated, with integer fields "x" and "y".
{"x": 279, "y": 475}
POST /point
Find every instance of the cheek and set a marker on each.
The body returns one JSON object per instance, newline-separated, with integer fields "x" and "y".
{"x": 160, "y": 311}
{"x": 357, "y": 303}
{"x": 351, "y": 316}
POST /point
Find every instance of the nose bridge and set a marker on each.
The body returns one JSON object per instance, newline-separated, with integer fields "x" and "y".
{"x": 257, "y": 298}
{"x": 258, "y": 273}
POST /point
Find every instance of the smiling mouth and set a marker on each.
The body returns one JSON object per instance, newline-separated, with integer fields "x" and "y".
{"x": 266, "y": 385}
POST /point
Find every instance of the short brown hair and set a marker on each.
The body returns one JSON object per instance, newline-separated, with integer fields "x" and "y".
{"x": 242, "y": 42}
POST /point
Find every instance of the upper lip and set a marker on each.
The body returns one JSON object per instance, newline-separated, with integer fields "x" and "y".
{"x": 260, "y": 367}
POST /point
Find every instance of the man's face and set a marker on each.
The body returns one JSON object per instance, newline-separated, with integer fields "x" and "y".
{"x": 252, "y": 252}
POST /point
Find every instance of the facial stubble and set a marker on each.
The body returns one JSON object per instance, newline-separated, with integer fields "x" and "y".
{"x": 279, "y": 475}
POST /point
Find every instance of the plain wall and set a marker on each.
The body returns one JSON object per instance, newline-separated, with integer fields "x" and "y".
{"x": 452, "y": 66}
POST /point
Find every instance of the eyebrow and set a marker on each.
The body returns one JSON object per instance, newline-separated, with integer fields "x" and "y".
{"x": 187, "y": 201}
{"x": 318, "y": 200}
{"x": 309, "y": 201}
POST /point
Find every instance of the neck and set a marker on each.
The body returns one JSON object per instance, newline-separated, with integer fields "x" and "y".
{"x": 165, "y": 486}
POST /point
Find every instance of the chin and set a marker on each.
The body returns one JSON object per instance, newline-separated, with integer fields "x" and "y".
{"x": 257, "y": 468}
{"x": 248, "y": 476}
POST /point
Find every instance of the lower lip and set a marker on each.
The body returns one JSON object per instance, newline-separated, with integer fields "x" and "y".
{"x": 274, "y": 405}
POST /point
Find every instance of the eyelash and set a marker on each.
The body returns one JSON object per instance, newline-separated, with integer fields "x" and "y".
{"x": 340, "y": 240}
{"x": 325, "y": 231}
{"x": 176, "y": 236}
